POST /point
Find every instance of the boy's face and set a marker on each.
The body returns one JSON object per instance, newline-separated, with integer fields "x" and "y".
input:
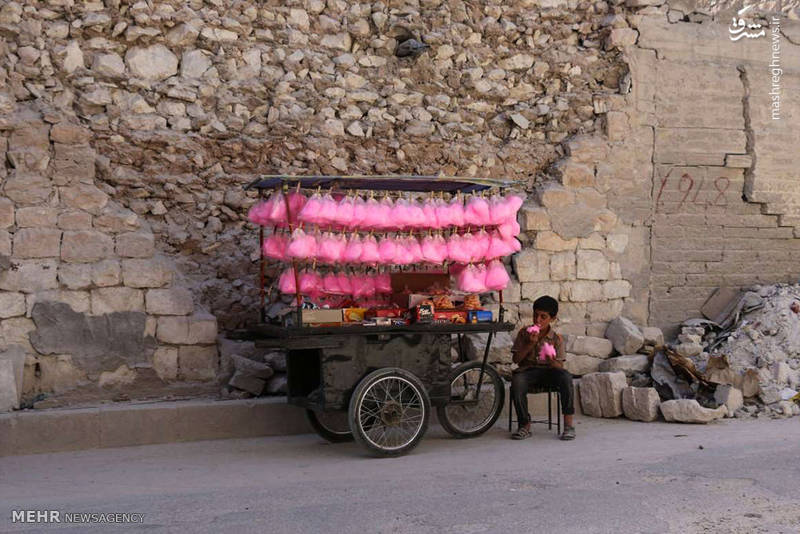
{"x": 542, "y": 319}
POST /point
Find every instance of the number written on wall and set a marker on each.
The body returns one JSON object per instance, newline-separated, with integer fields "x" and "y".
{"x": 683, "y": 189}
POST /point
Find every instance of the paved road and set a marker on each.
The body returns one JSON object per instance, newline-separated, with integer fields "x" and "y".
{"x": 618, "y": 476}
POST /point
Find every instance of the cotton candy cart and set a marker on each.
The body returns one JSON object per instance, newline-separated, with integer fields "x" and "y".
{"x": 377, "y": 384}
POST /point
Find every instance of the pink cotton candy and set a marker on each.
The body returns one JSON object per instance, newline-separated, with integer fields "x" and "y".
{"x": 387, "y": 250}
{"x": 400, "y": 216}
{"x": 310, "y": 212}
{"x": 434, "y": 249}
{"x": 533, "y": 329}
{"x": 344, "y": 212}
{"x": 275, "y": 246}
{"x": 476, "y": 212}
{"x": 498, "y": 209}
{"x": 330, "y": 284}
{"x": 345, "y": 284}
{"x": 369, "y": 250}
{"x": 401, "y": 255}
{"x": 429, "y": 216}
{"x": 363, "y": 286}
{"x": 472, "y": 280}
{"x": 258, "y": 214}
{"x": 302, "y": 245}
{"x": 310, "y": 284}
{"x": 331, "y": 248}
{"x": 359, "y": 213}
{"x": 328, "y": 208}
{"x": 509, "y": 229}
{"x": 457, "y": 216}
{"x": 383, "y": 283}
{"x": 416, "y": 216}
{"x": 384, "y": 216}
{"x": 496, "y": 276}
{"x": 482, "y": 241}
{"x": 297, "y": 202}
{"x": 352, "y": 252}
{"x": 414, "y": 250}
{"x": 372, "y": 214}
{"x": 444, "y": 216}
{"x": 514, "y": 203}
{"x": 456, "y": 251}
{"x": 277, "y": 211}
{"x": 500, "y": 247}
{"x": 547, "y": 352}
{"x": 286, "y": 283}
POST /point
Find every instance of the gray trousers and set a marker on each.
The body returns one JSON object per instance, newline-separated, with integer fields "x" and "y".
{"x": 522, "y": 379}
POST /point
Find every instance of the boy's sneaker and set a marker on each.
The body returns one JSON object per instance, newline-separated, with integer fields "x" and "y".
{"x": 568, "y": 433}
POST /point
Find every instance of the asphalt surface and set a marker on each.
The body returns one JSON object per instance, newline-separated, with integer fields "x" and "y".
{"x": 618, "y": 476}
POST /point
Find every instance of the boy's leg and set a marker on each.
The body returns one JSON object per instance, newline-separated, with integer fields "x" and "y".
{"x": 562, "y": 379}
{"x": 519, "y": 391}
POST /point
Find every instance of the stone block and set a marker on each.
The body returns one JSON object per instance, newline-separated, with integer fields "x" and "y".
{"x": 601, "y": 394}
{"x": 581, "y": 364}
{"x": 121, "y": 377}
{"x": 75, "y": 220}
{"x": 554, "y": 196}
{"x": 653, "y": 336}
{"x": 5, "y": 244}
{"x": 153, "y": 63}
{"x": 587, "y": 149}
{"x": 17, "y": 331}
{"x": 197, "y": 363}
{"x": 616, "y": 289}
{"x": 616, "y": 125}
{"x": 69, "y": 134}
{"x": 562, "y": 266}
{"x": 29, "y": 146}
{"x": 620, "y": 38}
{"x": 592, "y": 265}
{"x": 16, "y": 355}
{"x": 533, "y": 218}
{"x": 135, "y": 245}
{"x": 106, "y": 273}
{"x": 202, "y": 329}
{"x": 86, "y": 246}
{"x": 75, "y": 275}
{"x": 248, "y": 383}
{"x": 574, "y": 174}
{"x": 605, "y": 311}
{"x": 582, "y": 291}
{"x": 141, "y": 273}
{"x": 575, "y": 220}
{"x": 617, "y": 243}
{"x": 36, "y": 217}
{"x": 75, "y": 165}
{"x": 27, "y": 188}
{"x": 625, "y": 336}
{"x": 533, "y": 290}
{"x": 78, "y": 301}
{"x": 116, "y": 299}
{"x": 6, "y": 213}
{"x": 597, "y": 347}
{"x": 627, "y": 363}
{"x": 165, "y": 363}
{"x": 730, "y": 397}
{"x": 37, "y": 243}
{"x": 9, "y": 396}
{"x": 249, "y": 367}
{"x": 176, "y": 301}
{"x": 551, "y": 241}
{"x": 173, "y": 330}
{"x": 30, "y": 276}
{"x": 531, "y": 265}
{"x": 11, "y": 304}
{"x": 85, "y": 197}
{"x": 689, "y": 411}
{"x": 116, "y": 219}
{"x": 640, "y": 404}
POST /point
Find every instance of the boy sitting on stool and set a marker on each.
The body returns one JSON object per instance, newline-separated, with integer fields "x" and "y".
{"x": 539, "y": 352}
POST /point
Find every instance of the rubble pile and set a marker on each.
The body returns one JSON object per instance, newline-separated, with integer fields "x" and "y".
{"x": 249, "y": 371}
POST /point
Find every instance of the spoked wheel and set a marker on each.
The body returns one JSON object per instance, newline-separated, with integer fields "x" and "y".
{"x": 469, "y": 414}
{"x": 389, "y": 412}
{"x": 332, "y": 426}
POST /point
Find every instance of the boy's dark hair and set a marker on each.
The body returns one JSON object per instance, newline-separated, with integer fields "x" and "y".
{"x": 546, "y": 304}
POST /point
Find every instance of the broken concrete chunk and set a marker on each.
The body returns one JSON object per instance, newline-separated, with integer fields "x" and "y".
{"x": 730, "y": 397}
{"x": 597, "y": 347}
{"x": 250, "y": 367}
{"x": 247, "y": 382}
{"x": 601, "y": 394}
{"x": 581, "y": 364}
{"x": 653, "y": 336}
{"x": 276, "y": 360}
{"x": 628, "y": 364}
{"x": 278, "y": 385}
{"x": 690, "y": 411}
{"x": 640, "y": 404}
{"x": 624, "y": 335}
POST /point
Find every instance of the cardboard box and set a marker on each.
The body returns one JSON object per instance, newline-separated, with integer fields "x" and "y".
{"x": 353, "y": 315}
{"x": 415, "y": 299}
{"x": 452, "y": 316}
{"x": 423, "y": 313}
{"x": 479, "y": 316}
{"x": 385, "y": 312}
{"x": 322, "y": 317}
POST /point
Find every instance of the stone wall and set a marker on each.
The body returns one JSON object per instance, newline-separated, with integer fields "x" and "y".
{"x": 129, "y": 130}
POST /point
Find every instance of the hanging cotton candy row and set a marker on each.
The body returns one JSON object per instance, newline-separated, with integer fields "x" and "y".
{"x": 334, "y": 248}
{"x": 314, "y": 285}
{"x": 273, "y": 211}
{"x": 432, "y": 213}
{"x": 482, "y": 278}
